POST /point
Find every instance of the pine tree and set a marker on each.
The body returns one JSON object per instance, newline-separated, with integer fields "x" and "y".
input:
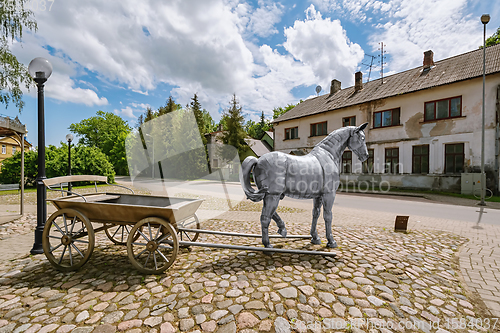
{"x": 198, "y": 114}
{"x": 234, "y": 134}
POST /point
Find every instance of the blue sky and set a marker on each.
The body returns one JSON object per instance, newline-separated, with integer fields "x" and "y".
{"x": 123, "y": 56}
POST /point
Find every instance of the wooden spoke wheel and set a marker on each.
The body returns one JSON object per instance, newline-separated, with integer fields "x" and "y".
{"x": 118, "y": 234}
{"x": 68, "y": 239}
{"x": 152, "y": 245}
{"x": 190, "y": 223}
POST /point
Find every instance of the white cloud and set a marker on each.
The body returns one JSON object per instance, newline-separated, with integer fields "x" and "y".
{"x": 440, "y": 25}
{"x": 323, "y": 45}
{"x": 410, "y": 27}
{"x": 129, "y": 110}
{"x": 59, "y": 86}
{"x": 261, "y": 20}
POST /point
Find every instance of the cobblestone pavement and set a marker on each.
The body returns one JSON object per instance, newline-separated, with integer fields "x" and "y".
{"x": 378, "y": 278}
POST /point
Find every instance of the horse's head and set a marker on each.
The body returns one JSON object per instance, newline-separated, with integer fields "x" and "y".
{"x": 357, "y": 144}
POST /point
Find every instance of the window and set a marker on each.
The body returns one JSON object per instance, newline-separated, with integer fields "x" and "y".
{"x": 291, "y": 133}
{"x": 13, "y": 150}
{"x": 391, "y": 160}
{"x": 318, "y": 129}
{"x": 347, "y": 162}
{"x": 420, "y": 159}
{"x": 349, "y": 121}
{"x": 368, "y": 164}
{"x": 386, "y": 118}
{"x": 443, "y": 109}
{"x": 454, "y": 158}
{"x": 4, "y": 149}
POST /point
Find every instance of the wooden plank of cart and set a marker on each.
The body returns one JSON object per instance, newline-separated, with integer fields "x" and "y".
{"x": 152, "y": 227}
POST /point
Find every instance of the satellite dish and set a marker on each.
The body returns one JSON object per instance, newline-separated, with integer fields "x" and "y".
{"x": 318, "y": 89}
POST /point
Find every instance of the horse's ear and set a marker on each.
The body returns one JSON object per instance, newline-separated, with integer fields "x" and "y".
{"x": 361, "y": 127}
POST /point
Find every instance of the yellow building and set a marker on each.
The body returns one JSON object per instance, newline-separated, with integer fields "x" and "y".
{"x": 9, "y": 146}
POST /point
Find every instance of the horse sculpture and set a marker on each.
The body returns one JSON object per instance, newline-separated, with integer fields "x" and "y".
{"x": 312, "y": 176}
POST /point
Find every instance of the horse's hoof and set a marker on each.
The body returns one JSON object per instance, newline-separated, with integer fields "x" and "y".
{"x": 282, "y": 232}
{"x": 269, "y": 253}
{"x": 316, "y": 241}
{"x": 332, "y": 245}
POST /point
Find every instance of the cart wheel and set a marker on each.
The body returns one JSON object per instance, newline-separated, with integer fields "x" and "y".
{"x": 153, "y": 248}
{"x": 68, "y": 239}
{"x": 118, "y": 234}
{"x": 190, "y": 223}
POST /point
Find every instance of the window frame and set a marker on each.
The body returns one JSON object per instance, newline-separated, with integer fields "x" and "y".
{"x": 290, "y": 132}
{"x": 316, "y": 124}
{"x": 391, "y": 163}
{"x": 371, "y": 157}
{"x": 4, "y": 149}
{"x": 435, "y": 109}
{"x": 413, "y": 155}
{"x": 454, "y": 154}
{"x": 349, "y": 119}
{"x": 344, "y": 159}
{"x": 392, "y": 116}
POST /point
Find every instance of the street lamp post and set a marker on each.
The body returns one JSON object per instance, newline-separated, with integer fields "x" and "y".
{"x": 69, "y": 138}
{"x": 40, "y": 70}
{"x": 484, "y": 19}
{"x": 153, "y": 171}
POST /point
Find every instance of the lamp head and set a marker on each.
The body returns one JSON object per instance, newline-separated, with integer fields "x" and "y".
{"x": 485, "y": 18}
{"x": 69, "y": 137}
{"x": 40, "y": 68}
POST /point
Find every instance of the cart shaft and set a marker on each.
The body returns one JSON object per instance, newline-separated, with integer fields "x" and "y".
{"x": 259, "y": 249}
{"x": 201, "y": 231}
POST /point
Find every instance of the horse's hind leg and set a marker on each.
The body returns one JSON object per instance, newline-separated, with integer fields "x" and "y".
{"x": 316, "y": 210}
{"x": 328, "y": 216}
{"x": 280, "y": 224}
{"x": 270, "y": 205}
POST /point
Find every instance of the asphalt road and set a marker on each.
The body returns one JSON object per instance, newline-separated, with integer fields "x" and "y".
{"x": 402, "y": 205}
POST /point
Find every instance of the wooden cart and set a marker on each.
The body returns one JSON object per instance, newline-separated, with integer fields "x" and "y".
{"x": 147, "y": 225}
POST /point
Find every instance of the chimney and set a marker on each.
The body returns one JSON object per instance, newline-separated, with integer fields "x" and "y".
{"x": 428, "y": 59}
{"x": 335, "y": 86}
{"x": 358, "y": 81}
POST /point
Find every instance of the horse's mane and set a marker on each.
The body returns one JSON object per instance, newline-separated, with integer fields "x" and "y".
{"x": 340, "y": 135}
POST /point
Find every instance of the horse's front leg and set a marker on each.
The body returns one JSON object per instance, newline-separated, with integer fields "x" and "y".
{"x": 316, "y": 210}
{"x": 328, "y": 200}
{"x": 270, "y": 204}
{"x": 280, "y": 224}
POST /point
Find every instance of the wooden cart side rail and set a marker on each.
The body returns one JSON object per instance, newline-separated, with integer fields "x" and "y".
{"x": 75, "y": 178}
{"x": 78, "y": 178}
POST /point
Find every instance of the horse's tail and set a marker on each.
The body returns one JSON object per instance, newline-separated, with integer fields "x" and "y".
{"x": 246, "y": 168}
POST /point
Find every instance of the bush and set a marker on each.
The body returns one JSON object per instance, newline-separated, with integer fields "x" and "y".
{"x": 84, "y": 161}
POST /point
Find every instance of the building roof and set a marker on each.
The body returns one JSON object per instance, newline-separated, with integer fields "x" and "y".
{"x": 458, "y": 68}
{"x": 257, "y": 146}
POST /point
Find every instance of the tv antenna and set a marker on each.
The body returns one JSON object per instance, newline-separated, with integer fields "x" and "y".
{"x": 369, "y": 65}
{"x": 318, "y": 89}
{"x": 382, "y": 60}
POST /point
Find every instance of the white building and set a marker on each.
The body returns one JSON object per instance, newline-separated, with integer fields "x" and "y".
{"x": 424, "y": 124}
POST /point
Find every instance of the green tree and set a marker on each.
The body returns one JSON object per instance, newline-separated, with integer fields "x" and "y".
{"x": 257, "y": 130}
{"x": 13, "y": 74}
{"x": 195, "y": 106}
{"x": 170, "y": 106}
{"x": 234, "y": 133}
{"x": 493, "y": 39}
{"x": 279, "y": 110}
{"x": 11, "y": 169}
{"x": 107, "y": 132}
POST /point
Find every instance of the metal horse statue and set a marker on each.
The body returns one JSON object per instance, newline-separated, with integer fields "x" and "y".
{"x": 313, "y": 176}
